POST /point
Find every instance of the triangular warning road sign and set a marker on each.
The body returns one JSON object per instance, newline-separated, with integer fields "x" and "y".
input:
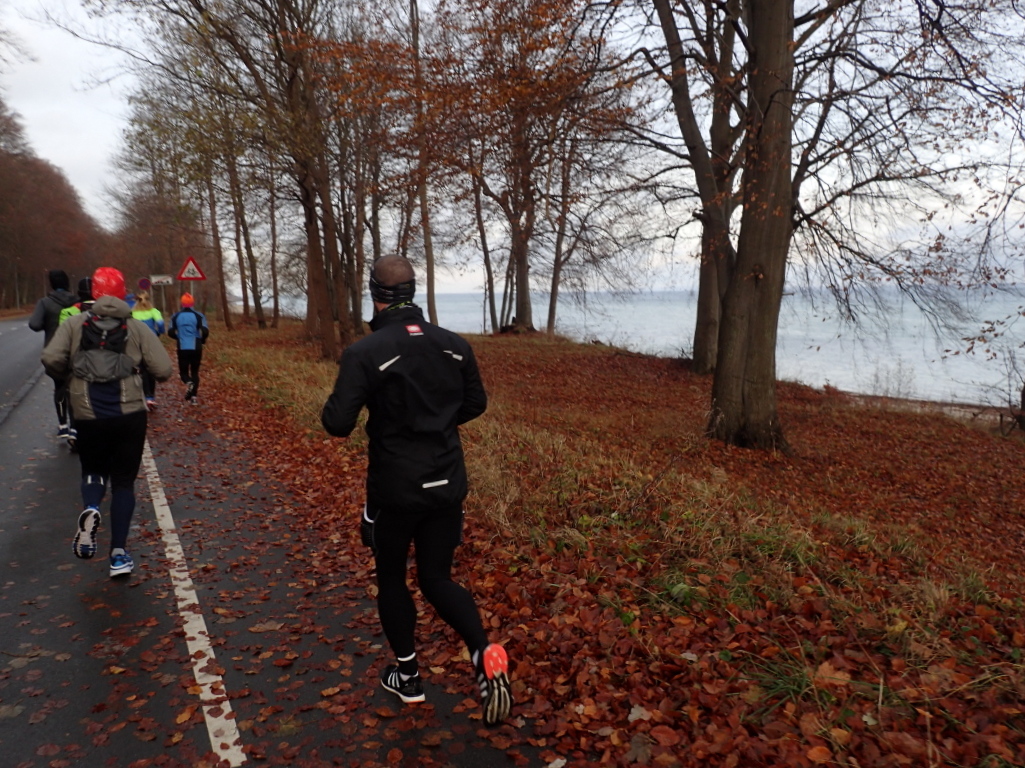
{"x": 191, "y": 271}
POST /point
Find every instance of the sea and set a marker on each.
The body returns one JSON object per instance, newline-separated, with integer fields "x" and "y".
{"x": 893, "y": 350}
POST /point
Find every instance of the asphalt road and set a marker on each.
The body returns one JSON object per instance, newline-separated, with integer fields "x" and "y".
{"x": 227, "y": 646}
{"x": 19, "y": 352}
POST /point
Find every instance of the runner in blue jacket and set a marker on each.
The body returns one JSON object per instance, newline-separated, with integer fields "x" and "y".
{"x": 190, "y": 330}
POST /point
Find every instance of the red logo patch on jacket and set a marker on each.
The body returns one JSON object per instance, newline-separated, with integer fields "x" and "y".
{"x": 414, "y": 330}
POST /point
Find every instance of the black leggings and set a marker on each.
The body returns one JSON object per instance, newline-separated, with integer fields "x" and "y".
{"x": 149, "y": 384}
{"x": 188, "y": 367}
{"x": 111, "y": 452}
{"x": 435, "y": 535}
{"x": 60, "y": 402}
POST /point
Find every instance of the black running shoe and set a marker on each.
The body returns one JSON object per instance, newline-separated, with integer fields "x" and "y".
{"x": 493, "y": 679}
{"x": 410, "y": 691}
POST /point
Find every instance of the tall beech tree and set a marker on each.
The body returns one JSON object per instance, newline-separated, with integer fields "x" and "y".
{"x": 253, "y": 44}
{"x": 513, "y": 81}
{"x": 884, "y": 99}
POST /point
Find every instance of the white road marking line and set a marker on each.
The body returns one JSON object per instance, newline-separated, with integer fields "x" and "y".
{"x": 225, "y": 739}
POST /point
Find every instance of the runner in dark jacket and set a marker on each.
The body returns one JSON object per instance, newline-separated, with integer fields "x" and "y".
{"x": 46, "y": 317}
{"x": 419, "y": 382}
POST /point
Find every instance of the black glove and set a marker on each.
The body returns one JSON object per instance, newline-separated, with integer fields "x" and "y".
{"x": 366, "y": 530}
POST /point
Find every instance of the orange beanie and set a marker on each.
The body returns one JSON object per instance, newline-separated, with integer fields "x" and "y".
{"x": 187, "y": 300}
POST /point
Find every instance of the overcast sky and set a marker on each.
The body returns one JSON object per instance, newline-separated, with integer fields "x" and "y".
{"x": 71, "y": 116}
{"x": 71, "y": 96}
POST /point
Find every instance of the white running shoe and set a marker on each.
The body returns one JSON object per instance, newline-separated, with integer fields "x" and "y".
{"x": 84, "y": 545}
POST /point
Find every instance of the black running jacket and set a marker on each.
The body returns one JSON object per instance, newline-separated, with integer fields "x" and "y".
{"x": 419, "y": 383}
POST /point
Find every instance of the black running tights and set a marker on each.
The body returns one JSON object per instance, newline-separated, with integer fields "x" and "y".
{"x": 435, "y": 536}
{"x": 110, "y": 450}
{"x": 189, "y": 361}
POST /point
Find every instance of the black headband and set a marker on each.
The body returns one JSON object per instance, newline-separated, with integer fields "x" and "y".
{"x": 391, "y": 294}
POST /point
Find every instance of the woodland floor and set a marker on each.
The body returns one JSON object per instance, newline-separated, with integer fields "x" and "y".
{"x": 667, "y": 600}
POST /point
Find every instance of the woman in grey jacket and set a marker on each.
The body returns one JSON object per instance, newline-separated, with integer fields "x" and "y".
{"x": 108, "y": 406}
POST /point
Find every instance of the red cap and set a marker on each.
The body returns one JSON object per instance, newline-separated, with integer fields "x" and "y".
{"x": 108, "y": 281}
{"x": 187, "y": 300}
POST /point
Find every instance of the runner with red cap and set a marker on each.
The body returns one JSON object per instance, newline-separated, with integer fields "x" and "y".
{"x": 101, "y": 351}
{"x": 189, "y": 328}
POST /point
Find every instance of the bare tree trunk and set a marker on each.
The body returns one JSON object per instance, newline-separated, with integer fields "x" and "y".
{"x": 276, "y": 314}
{"x": 559, "y": 259}
{"x": 508, "y": 293}
{"x": 215, "y": 236}
{"x": 425, "y": 224}
{"x": 706, "y": 326}
{"x": 376, "y": 203}
{"x": 406, "y": 222}
{"x": 332, "y": 254}
{"x": 422, "y": 165}
{"x": 254, "y": 273}
{"x": 242, "y": 224}
{"x": 478, "y": 209}
{"x": 521, "y": 230}
{"x": 319, "y": 319}
{"x": 356, "y": 264}
{"x": 520, "y": 255}
{"x": 743, "y": 408}
{"x": 713, "y": 171}
{"x": 236, "y": 212}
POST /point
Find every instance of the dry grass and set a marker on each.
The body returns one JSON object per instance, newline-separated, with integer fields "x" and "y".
{"x": 588, "y": 448}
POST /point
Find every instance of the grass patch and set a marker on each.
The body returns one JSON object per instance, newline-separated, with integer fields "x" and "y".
{"x": 591, "y": 480}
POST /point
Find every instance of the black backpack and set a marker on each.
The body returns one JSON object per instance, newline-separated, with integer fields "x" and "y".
{"x": 101, "y": 354}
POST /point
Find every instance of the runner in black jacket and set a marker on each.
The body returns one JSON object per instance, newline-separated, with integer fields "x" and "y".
{"x": 419, "y": 382}
{"x": 46, "y": 317}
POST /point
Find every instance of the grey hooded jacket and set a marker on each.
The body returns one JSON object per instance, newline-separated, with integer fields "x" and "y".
{"x": 46, "y": 315}
{"x": 143, "y": 347}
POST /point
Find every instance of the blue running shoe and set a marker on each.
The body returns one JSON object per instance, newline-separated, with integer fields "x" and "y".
{"x": 121, "y": 564}
{"x": 84, "y": 545}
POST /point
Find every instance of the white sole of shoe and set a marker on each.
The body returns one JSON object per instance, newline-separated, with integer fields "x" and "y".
{"x": 498, "y": 700}
{"x": 123, "y": 570}
{"x": 405, "y": 699}
{"x": 84, "y": 545}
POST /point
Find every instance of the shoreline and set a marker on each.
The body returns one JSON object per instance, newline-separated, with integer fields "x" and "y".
{"x": 971, "y": 413}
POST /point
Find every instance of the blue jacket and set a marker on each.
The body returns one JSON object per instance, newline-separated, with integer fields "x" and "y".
{"x": 189, "y": 329}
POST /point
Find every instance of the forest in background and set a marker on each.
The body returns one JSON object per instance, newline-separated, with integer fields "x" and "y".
{"x": 42, "y": 222}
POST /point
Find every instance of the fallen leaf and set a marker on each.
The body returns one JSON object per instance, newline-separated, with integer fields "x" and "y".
{"x": 819, "y": 754}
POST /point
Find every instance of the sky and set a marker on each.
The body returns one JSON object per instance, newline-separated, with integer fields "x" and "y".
{"x": 69, "y": 96}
